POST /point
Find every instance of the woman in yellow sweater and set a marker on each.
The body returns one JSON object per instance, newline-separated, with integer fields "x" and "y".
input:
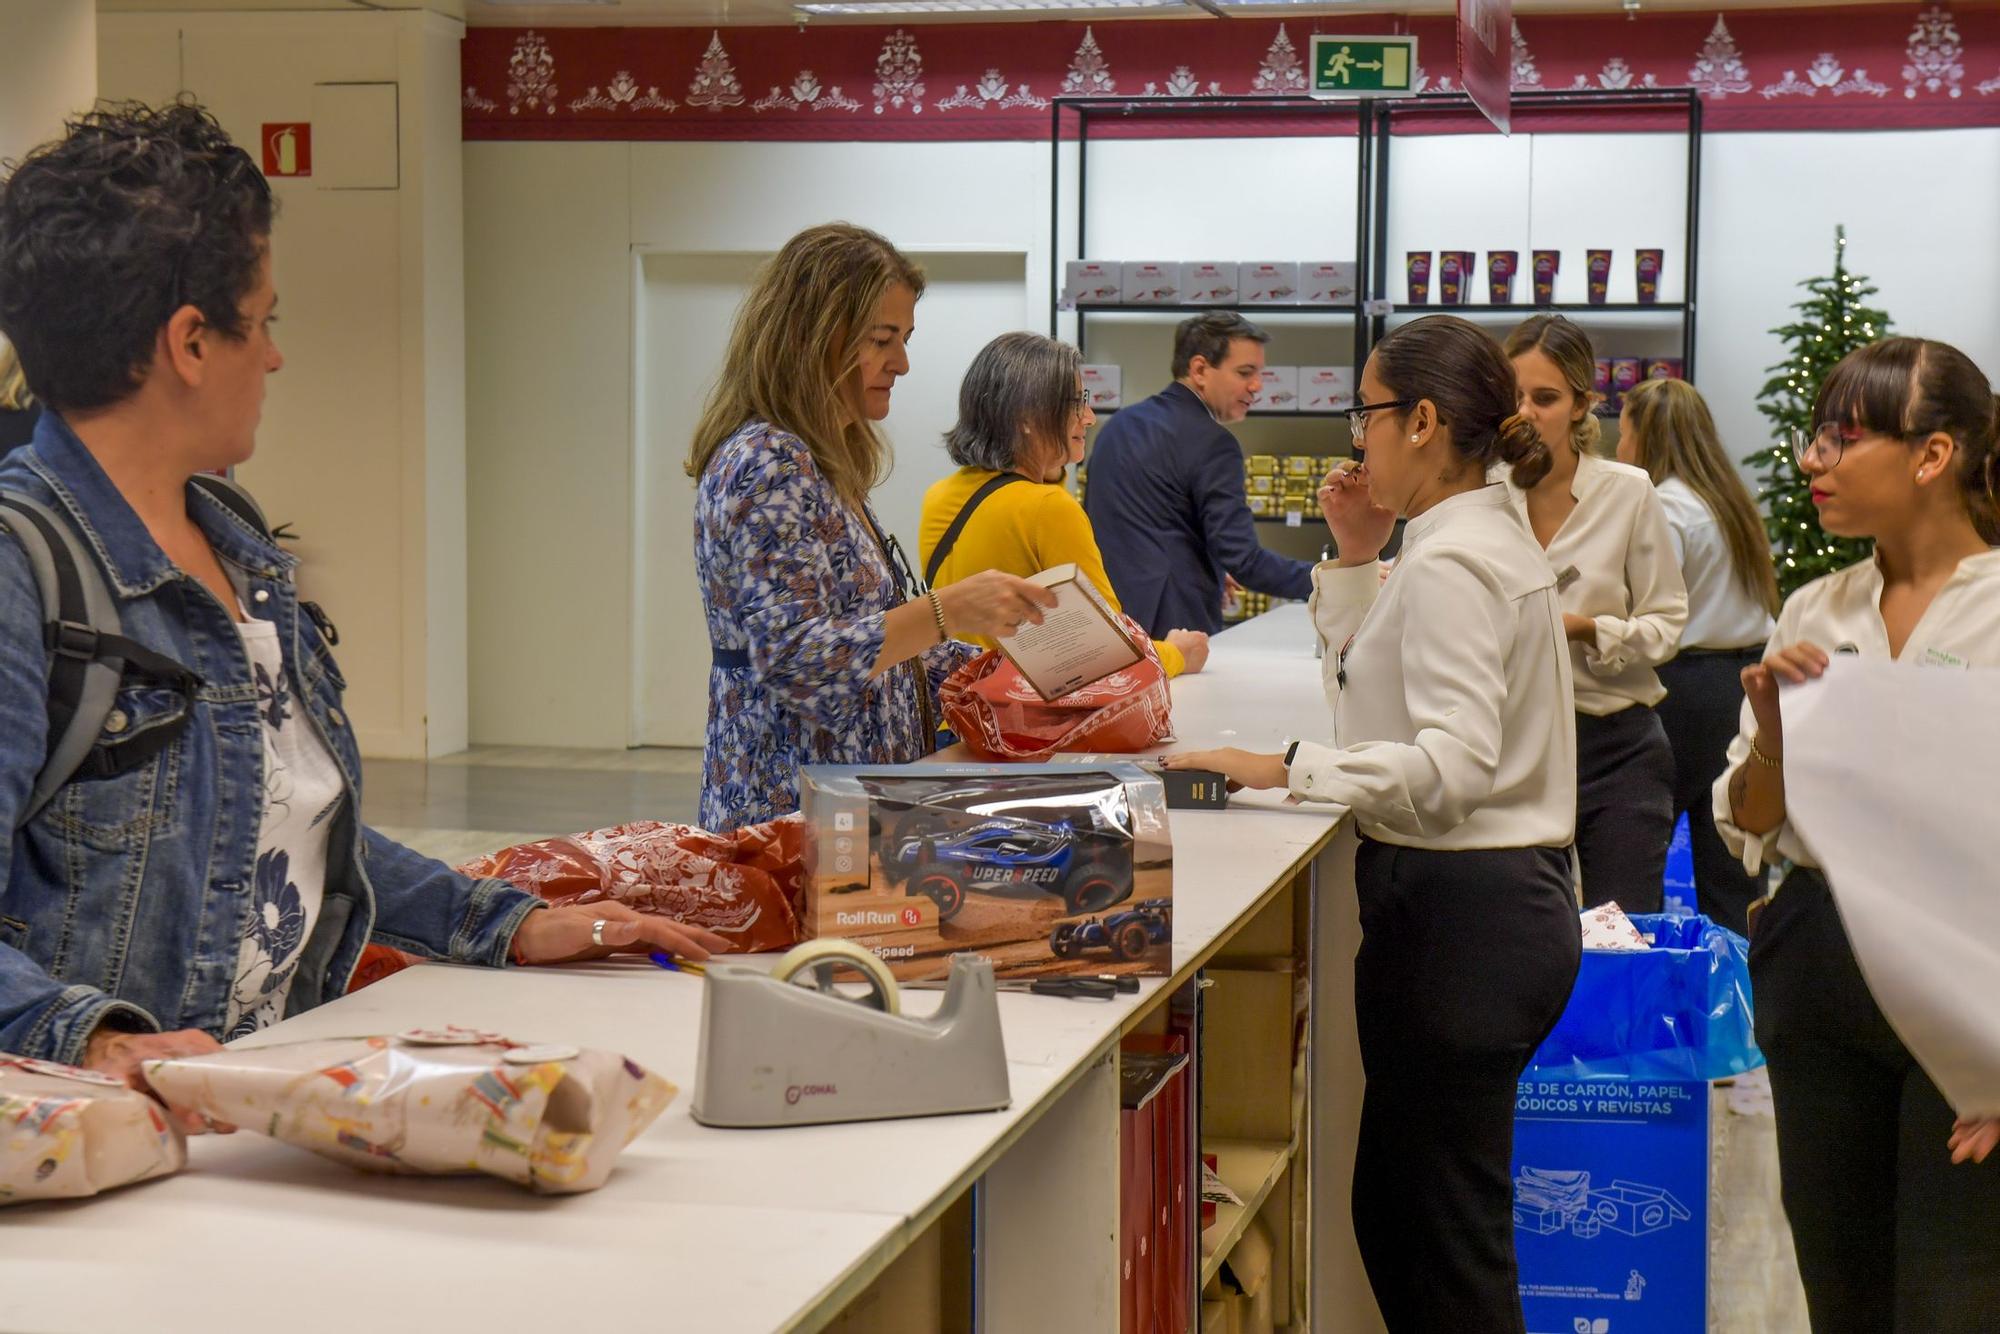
{"x": 1022, "y": 415}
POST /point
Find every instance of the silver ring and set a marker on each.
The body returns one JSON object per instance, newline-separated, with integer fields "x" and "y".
{"x": 597, "y": 932}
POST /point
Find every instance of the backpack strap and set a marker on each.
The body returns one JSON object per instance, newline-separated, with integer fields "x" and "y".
{"x": 77, "y": 610}
{"x": 973, "y": 502}
{"x": 230, "y": 494}
{"x": 89, "y": 655}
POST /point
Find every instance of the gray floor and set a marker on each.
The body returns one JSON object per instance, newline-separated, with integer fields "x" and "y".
{"x": 490, "y": 797}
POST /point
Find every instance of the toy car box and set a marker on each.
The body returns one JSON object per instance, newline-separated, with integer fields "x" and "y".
{"x": 1044, "y": 869}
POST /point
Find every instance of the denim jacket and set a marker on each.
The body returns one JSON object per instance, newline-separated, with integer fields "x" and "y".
{"x": 127, "y": 898}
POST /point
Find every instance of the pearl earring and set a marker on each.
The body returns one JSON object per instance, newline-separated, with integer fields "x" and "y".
{"x": 1413, "y": 439}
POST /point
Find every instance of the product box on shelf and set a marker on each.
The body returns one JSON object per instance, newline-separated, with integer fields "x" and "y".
{"x": 1598, "y": 265}
{"x": 1649, "y": 264}
{"x": 1104, "y": 386}
{"x": 1208, "y": 284}
{"x": 1301, "y": 465}
{"x": 1269, "y": 284}
{"x": 1261, "y": 506}
{"x": 1417, "y": 269}
{"x": 1600, "y": 382}
{"x": 1262, "y": 465}
{"x": 1455, "y": 270}
{"x": 1280, "y": 391}
{"x": 1501, "y": 266}
{"x": 1263, "y": 485}
{"x": 1151, "y": 284}
{"x": 1626, "y": 372}
{"x": 1326, "y": 388}
{"x": 1329, "y": 283}
{"x": 1044, "y": 869}
{"x": 1547, "y": 264}
{"x": 1091, "y": 282}
{"x": 1664, "y": 368}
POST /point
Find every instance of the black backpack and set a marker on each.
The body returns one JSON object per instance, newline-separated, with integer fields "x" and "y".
{"x": 89, "y": 657}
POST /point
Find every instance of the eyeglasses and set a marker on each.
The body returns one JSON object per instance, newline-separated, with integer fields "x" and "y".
{"x": 1826, "y": 445}
{"x": 1357, "y": 418}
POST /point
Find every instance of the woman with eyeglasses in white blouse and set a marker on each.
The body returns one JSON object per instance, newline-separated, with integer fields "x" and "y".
{"x": 1890, "y": 1235}
{"x": 1624, "y": 606}
{"x": 1454, "y": 747}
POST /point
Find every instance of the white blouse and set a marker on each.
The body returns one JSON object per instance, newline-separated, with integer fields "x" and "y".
{"x": 1614, "y": 562}
{"x": 1450, "y": 688}
{"x": 1842, "y": 613}
{"x": 1721, "y": 611}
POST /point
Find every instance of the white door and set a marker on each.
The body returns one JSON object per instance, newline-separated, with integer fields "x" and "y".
{"x": 686, "y": 306}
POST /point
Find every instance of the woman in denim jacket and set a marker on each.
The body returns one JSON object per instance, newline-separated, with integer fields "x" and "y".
{"x": 226, "y": 880}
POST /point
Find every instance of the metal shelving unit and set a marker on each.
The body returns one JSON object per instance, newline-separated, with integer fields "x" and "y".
{"x": 1582, "y": 105}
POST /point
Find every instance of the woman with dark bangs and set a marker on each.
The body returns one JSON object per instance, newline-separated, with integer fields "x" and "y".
{"x": 1890, "y": 1236}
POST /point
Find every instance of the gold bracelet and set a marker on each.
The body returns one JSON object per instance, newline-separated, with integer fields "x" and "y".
{"x": 1763, "y": 759}
{"x": 937, "y": 614}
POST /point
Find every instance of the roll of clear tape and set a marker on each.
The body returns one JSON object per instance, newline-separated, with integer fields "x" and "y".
{"x": 820, "y": 960}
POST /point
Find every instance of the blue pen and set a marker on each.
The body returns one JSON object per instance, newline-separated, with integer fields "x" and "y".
{"x": 673, "y": 965}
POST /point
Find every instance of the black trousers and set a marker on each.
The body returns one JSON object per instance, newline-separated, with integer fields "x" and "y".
{"x": 1624, "y": 808}
{"x": 1892, "y": 1237}
{"x": 1466, "y": 962}
{"x": 1701, "y": 713}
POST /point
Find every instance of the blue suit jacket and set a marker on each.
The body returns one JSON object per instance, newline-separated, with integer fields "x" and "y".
{"x": 1165, "y": 498}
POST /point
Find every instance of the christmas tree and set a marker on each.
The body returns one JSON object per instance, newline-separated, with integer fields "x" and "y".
{"x": 1832, "y": 322}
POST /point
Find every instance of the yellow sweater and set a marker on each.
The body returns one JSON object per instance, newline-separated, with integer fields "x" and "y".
{"x": 1021, "y": 529}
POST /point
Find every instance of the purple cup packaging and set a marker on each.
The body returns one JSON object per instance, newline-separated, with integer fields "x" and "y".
{"x": 1599, "y": 264}
{"x": 1547, "y": 262}
{"x": 1418, "y": 269}
{"x": 1501, "y": 265}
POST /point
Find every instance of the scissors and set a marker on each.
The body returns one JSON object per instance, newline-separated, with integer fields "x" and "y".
{"x": 1103, "y": 987}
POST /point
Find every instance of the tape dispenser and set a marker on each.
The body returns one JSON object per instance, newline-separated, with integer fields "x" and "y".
{"x": 786, "y": 1048}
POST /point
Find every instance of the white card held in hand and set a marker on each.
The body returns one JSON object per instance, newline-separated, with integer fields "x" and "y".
{"x": 1079, "y": 640}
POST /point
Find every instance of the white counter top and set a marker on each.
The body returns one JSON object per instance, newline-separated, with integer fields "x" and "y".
{"x": 698, "y": 1229}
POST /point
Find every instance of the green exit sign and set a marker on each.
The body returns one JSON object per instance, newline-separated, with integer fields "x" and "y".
{"x": 1363, "y": 66}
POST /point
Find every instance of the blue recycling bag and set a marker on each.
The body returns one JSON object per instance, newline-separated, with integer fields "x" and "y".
{"x": 1680, "y": 1010}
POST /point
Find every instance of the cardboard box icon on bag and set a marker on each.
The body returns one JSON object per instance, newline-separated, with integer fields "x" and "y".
{"x": 1330, "y": 283}
{"x": 1104, "y": 386}
{"x": 1280, "y": 392}
{"x": 1269, "y": 284}
{"x": 1091, "y": 282}
{"x": 1208, "y": 284}
{"x": 1044, "y": 869}
{"x": 1151, "y": 284}
{"x": 1326, "y": 388}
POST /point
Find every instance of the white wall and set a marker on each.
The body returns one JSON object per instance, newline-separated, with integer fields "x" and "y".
{"x": 555, "y": 296}
{"x": 48, "y": 70}
{"x": 362, "y": 443}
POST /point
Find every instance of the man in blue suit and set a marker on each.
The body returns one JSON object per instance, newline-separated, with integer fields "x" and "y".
{"x": 1165, "y": 494}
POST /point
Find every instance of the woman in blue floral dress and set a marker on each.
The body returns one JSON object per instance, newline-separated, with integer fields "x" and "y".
{"x": 821, "y": 654}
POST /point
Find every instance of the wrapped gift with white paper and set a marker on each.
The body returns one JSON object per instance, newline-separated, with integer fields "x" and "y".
{"x": 1326, "y": 388}
{"x": 1280, "y": 392}
{"x": 552, "y": 1117}
{"x": 1151, "y": 284}
{"x": 66, "y": 1132}
{"x": 1208, "y": 284}
{"x": 1103, "y": 386}
{"x": 1328, "y": 283}
{"x": 1608, "y": 928}
{"x": 1274, "y": 284}
{"x": 1090, "y": 282}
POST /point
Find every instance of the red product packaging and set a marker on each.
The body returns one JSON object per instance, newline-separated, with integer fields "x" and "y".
{"x": 1454, "y": 276}
{"x": 745, "y": 885}
{"x": 1500, "y": 269}
{"x": 1547, "y": 262}
{"x": 1172, "y": 1224}
{"x": 1418, "y": 270}
{"x": 1664, "y": 368}
{"x": 1599, "y": 265}
{"x": 999, "y": 715}
{"x": 1649, "y": 264}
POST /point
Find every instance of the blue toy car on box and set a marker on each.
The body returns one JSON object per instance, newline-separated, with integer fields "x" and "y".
{"x": 1126, "y": 934}
{"x": 1000, "y": 854}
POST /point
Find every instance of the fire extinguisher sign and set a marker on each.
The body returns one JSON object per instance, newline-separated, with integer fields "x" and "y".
{"x": 288, "y": 148}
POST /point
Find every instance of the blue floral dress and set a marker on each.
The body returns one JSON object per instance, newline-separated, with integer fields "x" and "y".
{"x": 794, "y": 582}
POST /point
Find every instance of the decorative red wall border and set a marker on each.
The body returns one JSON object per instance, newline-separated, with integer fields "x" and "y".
{"x": 1904, "y": 66}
